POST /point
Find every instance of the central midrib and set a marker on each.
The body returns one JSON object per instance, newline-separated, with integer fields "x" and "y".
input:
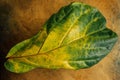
{"x": 46, "y": 53}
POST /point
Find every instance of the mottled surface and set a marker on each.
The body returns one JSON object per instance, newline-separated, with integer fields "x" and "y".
{"x": 22, "y": 19}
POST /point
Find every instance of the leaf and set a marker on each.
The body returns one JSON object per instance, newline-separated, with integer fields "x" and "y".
{"x": 76, "y": 37}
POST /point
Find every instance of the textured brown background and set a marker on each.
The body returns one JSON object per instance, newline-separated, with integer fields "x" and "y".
{"x": 21, "y": 19}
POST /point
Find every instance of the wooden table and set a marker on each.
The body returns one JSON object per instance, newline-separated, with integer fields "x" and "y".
{"x": 21, "y": 19}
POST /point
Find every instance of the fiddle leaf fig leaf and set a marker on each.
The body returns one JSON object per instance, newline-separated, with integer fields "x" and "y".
{"x": 75, "y": 37}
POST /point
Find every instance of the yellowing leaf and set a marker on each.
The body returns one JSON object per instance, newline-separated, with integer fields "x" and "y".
{"x": 76, "y": 37}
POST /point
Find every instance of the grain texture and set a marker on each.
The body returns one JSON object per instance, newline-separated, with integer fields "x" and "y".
{"x": 25, "y": 18}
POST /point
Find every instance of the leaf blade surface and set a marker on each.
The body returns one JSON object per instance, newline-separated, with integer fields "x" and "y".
{"x": 76, "y": 37}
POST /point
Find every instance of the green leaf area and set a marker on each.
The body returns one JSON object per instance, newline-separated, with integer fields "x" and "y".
{"x": 75, "y": 37}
